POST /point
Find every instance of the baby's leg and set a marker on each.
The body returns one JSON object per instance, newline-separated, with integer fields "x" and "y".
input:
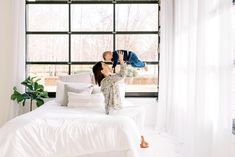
{"x": 135, "y": 62}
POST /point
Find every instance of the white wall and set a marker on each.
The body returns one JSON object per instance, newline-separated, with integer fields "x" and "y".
{"x": 6, "y": 51}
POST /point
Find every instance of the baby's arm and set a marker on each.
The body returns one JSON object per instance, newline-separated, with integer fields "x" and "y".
{"x": 115, "y": 62}
{"x": 115, "y": 59}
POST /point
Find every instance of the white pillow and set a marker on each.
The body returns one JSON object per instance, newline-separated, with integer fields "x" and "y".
{"x": 85, "y": 100}
{"x": 64, "y": 87}
{"x": 96, "y": 89}
{"x": 84, "y": 77}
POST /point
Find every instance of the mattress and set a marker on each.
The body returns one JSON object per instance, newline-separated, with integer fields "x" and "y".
{"x": 54, "y": 131}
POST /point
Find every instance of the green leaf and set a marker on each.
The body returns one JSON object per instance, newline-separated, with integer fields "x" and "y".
{"x": 26, "y": 96}
{"x": 28, "y": 83}
{"x": 36, "y": 86}
{"x": 40, "y": 87}
{"x": 17, "y": 95}
{"x": 19, "y": 99}
{"x": 40, "y": 102}
{"x": 44, "y": 94}
{"x": 13, "y": 97}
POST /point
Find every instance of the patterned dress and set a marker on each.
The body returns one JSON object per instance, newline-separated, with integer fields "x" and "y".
{"x": 110, "y": 89}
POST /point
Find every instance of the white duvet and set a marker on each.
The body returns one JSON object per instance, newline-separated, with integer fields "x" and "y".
{"x": 55, "y": 131}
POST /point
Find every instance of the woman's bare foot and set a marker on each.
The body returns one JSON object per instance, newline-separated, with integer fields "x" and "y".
{"x": 143, "y": 143}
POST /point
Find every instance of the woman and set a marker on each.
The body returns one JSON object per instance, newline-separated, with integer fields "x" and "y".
{"x": 108, "y": 82}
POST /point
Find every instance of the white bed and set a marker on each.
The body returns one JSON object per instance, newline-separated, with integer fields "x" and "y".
{"x": 56, "y": 131}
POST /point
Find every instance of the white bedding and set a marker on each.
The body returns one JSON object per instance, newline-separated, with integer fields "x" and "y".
{"x": 56, "y": 131}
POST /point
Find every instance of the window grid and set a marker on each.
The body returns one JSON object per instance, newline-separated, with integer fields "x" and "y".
{"x": 113, "y": 33}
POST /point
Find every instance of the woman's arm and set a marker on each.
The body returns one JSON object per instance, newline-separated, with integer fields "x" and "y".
{"x": 121, "y": 75}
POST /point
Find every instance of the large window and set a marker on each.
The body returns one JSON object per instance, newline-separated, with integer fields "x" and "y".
{"x": 68, "y": 37}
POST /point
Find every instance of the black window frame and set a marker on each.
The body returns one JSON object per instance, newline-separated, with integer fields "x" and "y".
{"x": 114, "y": 33}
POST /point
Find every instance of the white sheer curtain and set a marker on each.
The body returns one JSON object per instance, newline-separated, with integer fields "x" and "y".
{"x": 18, "y": 55}
{"x": 11, "y": 56}
{"x": 195, "y": 76}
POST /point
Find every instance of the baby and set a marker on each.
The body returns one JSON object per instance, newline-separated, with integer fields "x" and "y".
{"x": 129, "y": 57}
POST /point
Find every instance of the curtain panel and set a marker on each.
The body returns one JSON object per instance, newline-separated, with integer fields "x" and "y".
{"x": 195, "y": 95}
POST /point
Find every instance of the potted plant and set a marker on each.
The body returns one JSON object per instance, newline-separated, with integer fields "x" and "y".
{"x": 34, "y": 92}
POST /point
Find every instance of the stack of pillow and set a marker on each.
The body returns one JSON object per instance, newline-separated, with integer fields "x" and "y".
{"x": 78, "y": 91}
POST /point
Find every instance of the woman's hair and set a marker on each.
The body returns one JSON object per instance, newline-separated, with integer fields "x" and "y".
{"x": 97, "y": 72}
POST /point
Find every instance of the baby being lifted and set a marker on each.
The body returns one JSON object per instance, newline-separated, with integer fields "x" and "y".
{"x": 129, "y": 57}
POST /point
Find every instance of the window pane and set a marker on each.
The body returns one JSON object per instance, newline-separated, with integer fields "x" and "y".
{"x": 137, "y": 17}
{"x": 92, "y": 17}
{"x": 76, "y": 69}
{"x": 45, "y": 17}
{"x": 48, "y": 74}
{"x": 139, "y": 80}
{"x": 90, "y": 47}
{"x": 145, "y": 46}
{"x": 47, "y": 48}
